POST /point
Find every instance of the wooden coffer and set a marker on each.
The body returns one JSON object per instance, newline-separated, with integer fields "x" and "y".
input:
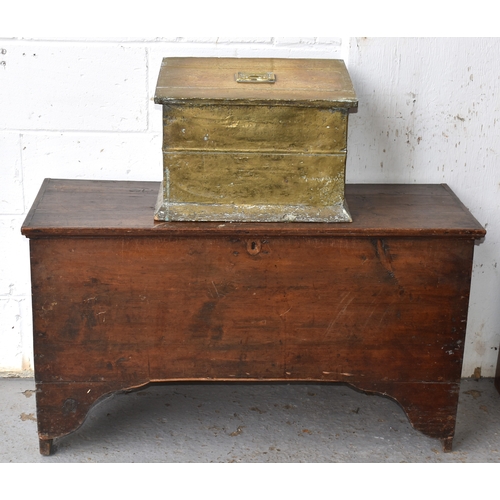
{"x": 120, "y": 301}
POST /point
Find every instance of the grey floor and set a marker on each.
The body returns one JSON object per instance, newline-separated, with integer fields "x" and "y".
{"x": 200, "y": 423}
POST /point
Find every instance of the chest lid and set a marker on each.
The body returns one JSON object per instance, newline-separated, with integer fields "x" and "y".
{"x": 298, "y": 82}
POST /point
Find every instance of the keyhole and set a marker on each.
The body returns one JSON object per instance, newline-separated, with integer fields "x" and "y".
{"x": 253, "y": 247}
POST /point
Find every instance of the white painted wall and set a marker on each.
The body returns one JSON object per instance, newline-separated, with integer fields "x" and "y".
{"x": 430, "y": 113}
{"x": 83, "y": 109}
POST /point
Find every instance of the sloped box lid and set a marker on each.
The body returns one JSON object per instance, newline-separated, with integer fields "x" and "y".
{"x": 299, "y": 82}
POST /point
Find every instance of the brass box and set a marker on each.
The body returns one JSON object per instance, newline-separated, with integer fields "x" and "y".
{"x": 254, "y": 140}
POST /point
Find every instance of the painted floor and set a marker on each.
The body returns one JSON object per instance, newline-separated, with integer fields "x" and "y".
{"x": 250, "y": 423}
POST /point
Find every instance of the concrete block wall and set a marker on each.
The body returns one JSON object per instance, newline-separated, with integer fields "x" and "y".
{"x": 83, "y": 109}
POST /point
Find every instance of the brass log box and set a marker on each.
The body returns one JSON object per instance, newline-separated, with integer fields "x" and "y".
{"x": 254, "y": 140}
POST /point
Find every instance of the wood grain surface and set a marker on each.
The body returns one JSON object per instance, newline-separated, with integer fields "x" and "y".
{"x": 205, "y": 80}
{"x": 113, "y": 208}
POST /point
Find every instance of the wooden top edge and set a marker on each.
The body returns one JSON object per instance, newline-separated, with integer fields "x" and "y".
{"x": 31, "y": 213}
{"x": 325, "y": 102}
{"x": 179, "y": 229}
{"x": 78, "y": 208}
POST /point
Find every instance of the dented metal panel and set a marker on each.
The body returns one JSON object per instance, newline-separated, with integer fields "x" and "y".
{"x": 259, "y": 128}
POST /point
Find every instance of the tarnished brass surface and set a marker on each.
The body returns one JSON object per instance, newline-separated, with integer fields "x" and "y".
{"x": 256, "y": 128}
{"x": 244, "y": 152}
{"x": 253, "y": 187}
{"x": 249, "y": 213}
{"x": 246, "y": 178}
{"x": 267, "y": 77}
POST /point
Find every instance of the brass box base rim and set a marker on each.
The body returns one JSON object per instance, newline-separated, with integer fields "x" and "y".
{"x": 199, "y": 212}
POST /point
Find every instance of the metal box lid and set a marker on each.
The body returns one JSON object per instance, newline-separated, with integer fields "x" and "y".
{"x": 298, "y": 82}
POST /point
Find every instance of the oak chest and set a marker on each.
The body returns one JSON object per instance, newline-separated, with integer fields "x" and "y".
{"x": 120, "y": 301}
{"x": 262, "y": 140}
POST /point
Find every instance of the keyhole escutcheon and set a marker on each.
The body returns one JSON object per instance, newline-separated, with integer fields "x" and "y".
{"x": 254, "y": 246}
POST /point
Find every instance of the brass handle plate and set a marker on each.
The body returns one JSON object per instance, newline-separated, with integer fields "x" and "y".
{"x": 244, "y": 77}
